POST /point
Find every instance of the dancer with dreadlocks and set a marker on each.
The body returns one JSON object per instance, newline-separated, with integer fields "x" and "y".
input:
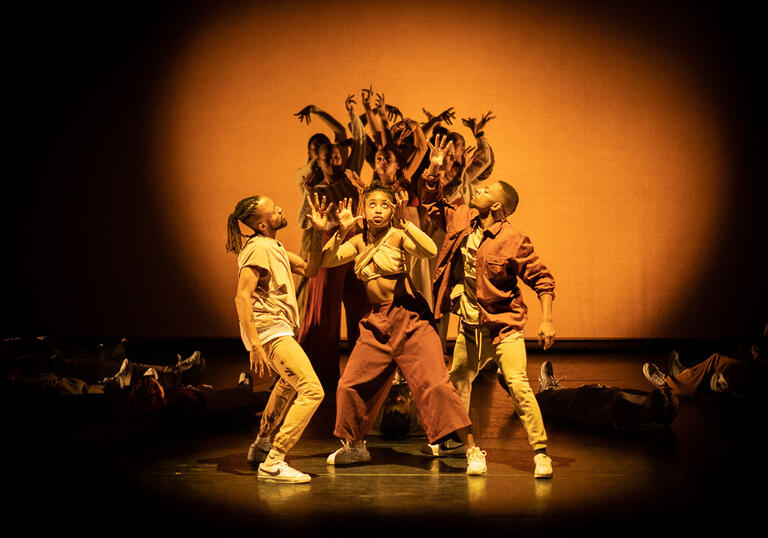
{"x": 397, "y": 333}
{"x": 266, "y": 307}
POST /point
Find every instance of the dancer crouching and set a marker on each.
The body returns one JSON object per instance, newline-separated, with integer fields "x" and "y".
{"x": 397, "y": 333}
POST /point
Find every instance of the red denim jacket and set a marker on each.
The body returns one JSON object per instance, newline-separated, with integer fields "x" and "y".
{"x": 505, "y": 256}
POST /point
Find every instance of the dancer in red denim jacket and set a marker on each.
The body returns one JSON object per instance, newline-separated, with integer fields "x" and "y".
{"x": 479, "y": 270}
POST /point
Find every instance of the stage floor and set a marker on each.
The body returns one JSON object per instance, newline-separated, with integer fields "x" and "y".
{"x": 703, "y": 472}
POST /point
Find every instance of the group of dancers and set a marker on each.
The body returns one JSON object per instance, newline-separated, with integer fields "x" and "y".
{"x": 368, "y": 244}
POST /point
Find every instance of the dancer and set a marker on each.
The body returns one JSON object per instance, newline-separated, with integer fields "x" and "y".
{"x": 315, "y": 173}
{"x": 321, "y": 320}
{"x": 266, "y": 307}
{"x": 397, "y": 333}
{"x": 493, "y": 257}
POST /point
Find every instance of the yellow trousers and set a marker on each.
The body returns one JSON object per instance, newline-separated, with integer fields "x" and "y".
{"x": 295, "y": 397}
{"x": 472, "y": 352}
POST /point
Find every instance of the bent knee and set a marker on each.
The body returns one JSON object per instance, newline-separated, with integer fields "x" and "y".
{"x": 311, "y": 391}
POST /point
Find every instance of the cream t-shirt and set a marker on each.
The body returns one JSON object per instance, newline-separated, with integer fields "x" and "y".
{"x": 275, "y": 311}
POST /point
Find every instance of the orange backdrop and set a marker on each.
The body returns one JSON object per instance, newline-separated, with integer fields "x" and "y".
{"x": 613, "y": 146}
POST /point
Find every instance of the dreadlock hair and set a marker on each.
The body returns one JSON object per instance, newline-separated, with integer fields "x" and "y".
{"x": 244, "y": 209}
{"x": 375, "y": 186}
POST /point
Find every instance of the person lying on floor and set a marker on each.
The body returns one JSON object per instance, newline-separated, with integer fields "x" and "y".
{"x": 598, "y": 407}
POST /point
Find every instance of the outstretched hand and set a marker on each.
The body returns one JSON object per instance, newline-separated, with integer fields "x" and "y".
{"x": 354, "y": 178}
{"x": 401, "y": 202}
{"x": 393, "y": 113}
{"x": 477, "y": 126}
{"x": 349, "y": 103}
{"x": 305, "y": 114}
{"x": 447, "y": 116}
{"x": 319, "y": 212}
{"x": 365, "y": 96}
{"x": 346, "y": 216}
{"x": 438, "y": 150}
{"x": 403, "y": 129}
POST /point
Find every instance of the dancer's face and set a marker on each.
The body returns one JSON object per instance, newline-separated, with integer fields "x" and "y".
{"x": 386, "y": 163}
{"x": 269, "y": 217}
{"x": 330, "y": 161}
{"x": 485, "y": 196}
{"x": 378, "y": 210}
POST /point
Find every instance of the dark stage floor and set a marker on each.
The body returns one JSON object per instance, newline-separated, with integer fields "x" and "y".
{"x": 707, "y": 471}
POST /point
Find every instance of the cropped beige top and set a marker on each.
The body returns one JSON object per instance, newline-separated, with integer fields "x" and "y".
{"x": 380, "y": 259}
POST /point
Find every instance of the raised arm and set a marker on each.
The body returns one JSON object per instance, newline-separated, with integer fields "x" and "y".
{"x": 421, "y": 145}
{"x": 339, "y": 132}
{"x": 356, "y": 128}
{"x": 445, "y": 116}
{"x": 374, "y": 119}
{"x": 482, "y": 157}
{"x": 431, "y": 184}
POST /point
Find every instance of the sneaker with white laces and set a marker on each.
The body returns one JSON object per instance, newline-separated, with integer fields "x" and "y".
{"x": 282, "y": 472}
{"x": 448, "y": 448}
{"x": 476, "y": 462}
{"x": 543, "y": 466}
{"x": 654, "y": 375}
{"x": 349, "y": 454}
{"x": 259, "y": 450}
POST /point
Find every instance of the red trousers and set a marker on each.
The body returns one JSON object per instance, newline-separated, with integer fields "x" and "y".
{"x": 746, "y": 378}
{"x": 397, "y": 335}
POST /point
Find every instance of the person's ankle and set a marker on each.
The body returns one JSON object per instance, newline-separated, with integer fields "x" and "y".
{"x": 274, "y": 457}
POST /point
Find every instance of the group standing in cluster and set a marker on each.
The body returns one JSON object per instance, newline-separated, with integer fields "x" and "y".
{"x": 428, "y": 234}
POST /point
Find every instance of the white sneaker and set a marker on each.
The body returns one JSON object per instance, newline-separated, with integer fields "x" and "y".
{"x": 543, "y": 466}
{"x": 349, "y": 454}
{"x": 448, "y": 448}
{"x": 476, "y": 461}
{"x": 259, "y": 450}
{"x": 282, "y": 472}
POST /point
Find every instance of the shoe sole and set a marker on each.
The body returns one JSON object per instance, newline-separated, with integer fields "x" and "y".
{"x": 546, "y": 476}
{"x": 483, "y": 473}
{"x": 347, "y": 462}
{"x": 278, "y": 480}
